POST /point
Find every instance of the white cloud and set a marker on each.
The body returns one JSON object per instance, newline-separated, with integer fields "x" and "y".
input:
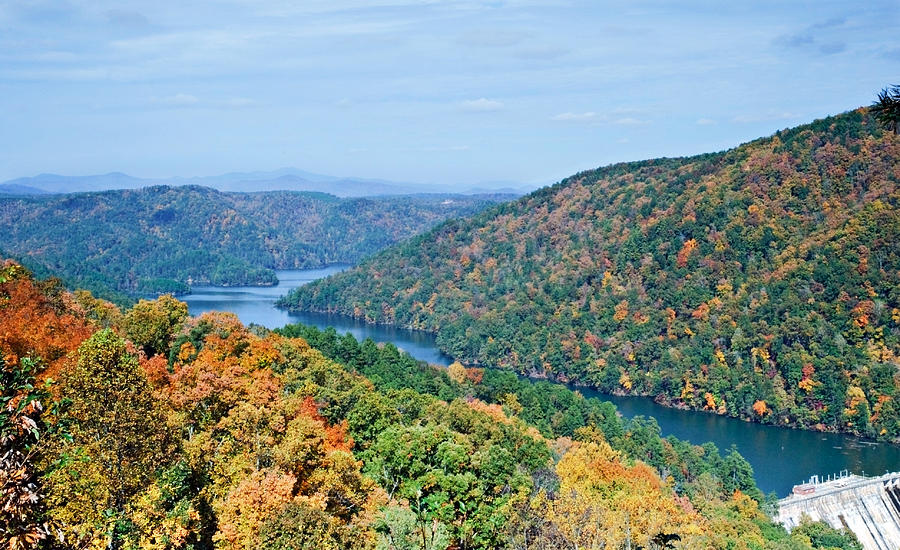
{"x": 492, "y": 38}
{"x": 481, "y": 105}
{"x": 177, "y": 100}
{"x": 540, "y": 53}
{"x": 623, "y": 116}
{"x": 623, "y": 111}
{"x": 449, "y": 148}
{"x": 127, "y": 18}
{"x": 56, "y": 57}
{"x": 570, "y": 117}
{"x": 764, "y": 117}
{"x": 183, "y": 101}
{"x": 705, "y": 121}
{"x": 238, "y": 102}
{"x": 408, "y": 66}
{"x": 616, "y": 116}
{"x": 629, "y": 121}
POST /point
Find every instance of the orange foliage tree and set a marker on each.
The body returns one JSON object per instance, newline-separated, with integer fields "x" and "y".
{"x": 266, "y": 451}
{"x": 35, "y": 322}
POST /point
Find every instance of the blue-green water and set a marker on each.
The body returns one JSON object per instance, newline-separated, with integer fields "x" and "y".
{"x": 254, "y": 304}
{"x": 780, "y": 457}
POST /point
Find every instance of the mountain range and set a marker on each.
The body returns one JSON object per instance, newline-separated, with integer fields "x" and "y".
{"x": 284, "y": 179}
{"x": 163, "y": 238}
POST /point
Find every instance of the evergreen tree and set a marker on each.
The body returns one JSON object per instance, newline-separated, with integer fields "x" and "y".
{"x": 887, "y": 108}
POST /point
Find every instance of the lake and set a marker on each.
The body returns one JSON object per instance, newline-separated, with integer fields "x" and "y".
{"x": 780, "y": 457}
{"x": 256, "y": 304}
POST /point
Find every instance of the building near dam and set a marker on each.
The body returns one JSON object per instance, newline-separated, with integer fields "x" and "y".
{"x": 868, "y": 506}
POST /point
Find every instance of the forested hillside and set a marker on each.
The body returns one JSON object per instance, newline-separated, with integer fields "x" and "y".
{"x": 159, "y": 239}
{"x": 762, "y": 282}
{"x": 146, "y": 429}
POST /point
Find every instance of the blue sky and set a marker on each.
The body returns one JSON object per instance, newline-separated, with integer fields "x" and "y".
{"x": 426, "y": 91}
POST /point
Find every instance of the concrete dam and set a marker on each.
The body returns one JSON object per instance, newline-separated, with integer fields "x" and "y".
{"x": 868, "y": 506}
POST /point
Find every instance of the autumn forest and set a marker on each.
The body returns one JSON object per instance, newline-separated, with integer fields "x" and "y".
{"x": 761, "y": 283}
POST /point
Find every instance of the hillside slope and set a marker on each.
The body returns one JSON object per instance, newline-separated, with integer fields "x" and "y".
{"x": 160, "y": 238}
{"x": 762, "y": 282}
{"x": 202, "y": 433}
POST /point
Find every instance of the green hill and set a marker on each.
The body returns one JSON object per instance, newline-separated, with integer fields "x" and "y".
{"x": 159, "y": 239}
{"x": 761, "y": 282}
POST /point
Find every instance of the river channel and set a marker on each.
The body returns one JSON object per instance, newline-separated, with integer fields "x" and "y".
{"x": 780, "y": 457}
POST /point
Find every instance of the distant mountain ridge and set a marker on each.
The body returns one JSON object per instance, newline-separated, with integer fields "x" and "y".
{"x": 55, "y": 183}
{"x": 17, "y": 189}
{"x": 283, "y": 179}
{"x": 762, "y": 282}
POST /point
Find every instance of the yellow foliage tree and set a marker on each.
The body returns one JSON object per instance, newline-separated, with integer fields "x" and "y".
{"x": 603, "y": 503}
{"x": 855, "y": 397}
{"x": 457, "y": 372}
{"x": 118, "y": 434}
{"x": 151, "y": 324}
{"x": 621, "y": 311}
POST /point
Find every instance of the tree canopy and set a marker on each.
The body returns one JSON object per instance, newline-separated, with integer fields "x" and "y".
{"x": 223, "y": 437}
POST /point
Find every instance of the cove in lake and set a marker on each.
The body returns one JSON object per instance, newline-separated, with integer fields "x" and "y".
{"x": 256, "y": 304}
{"x": 780, "y": 457}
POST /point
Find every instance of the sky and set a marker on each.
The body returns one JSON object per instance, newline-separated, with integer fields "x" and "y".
{"x": 447, "y": 92}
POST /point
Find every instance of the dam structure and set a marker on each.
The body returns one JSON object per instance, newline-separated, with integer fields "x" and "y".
{"x": 867, "y": 506}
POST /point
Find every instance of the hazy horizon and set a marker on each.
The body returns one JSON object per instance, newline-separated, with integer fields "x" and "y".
{"x": 256, "y": 174}
{"x": 450, "y": 93}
